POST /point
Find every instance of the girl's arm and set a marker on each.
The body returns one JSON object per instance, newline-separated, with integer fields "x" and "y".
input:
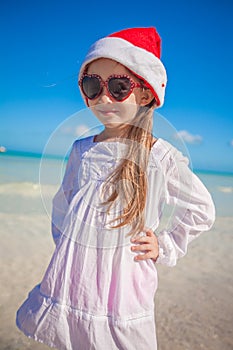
{"x": 64, "y": 195}
{"x": 193, "y": 213}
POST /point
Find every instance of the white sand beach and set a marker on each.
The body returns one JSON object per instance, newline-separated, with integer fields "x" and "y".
{"x": 193, "y": 304}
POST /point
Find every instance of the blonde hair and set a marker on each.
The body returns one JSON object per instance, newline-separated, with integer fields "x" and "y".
{"x": 133, "y": 191}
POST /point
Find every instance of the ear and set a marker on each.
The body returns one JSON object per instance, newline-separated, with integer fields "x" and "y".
{"x": 146, "y": 97}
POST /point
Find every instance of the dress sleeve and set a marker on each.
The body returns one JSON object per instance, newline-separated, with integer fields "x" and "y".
{"x": 193, "y": 209}
{"x": 63, "y": 197}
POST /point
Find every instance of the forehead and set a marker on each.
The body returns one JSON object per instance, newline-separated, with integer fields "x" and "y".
{"x": 105, "y": 67}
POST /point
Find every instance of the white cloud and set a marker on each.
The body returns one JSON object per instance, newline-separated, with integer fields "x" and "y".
{"x": 188, "y": 138}
{"x": 231, "y": 143}
{"x": 81, "y": 130}
{"x": 66, "y": 130}
{"x": 76, "y": 131}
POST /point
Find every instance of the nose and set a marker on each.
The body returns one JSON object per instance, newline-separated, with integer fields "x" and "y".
{"x": 104, "y": 97}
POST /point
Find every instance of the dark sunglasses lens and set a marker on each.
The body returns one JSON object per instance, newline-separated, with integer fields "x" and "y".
{"x": 91, "y": 87}
{"x": 119, "y": 87}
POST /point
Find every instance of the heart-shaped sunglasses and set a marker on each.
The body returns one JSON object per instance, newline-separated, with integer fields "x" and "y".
{"x": 118, "y": 86}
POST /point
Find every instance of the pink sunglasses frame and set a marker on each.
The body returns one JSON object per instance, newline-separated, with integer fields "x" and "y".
{"x": 103, "y": 83}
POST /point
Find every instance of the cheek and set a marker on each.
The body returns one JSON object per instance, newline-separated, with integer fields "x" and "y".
{"x": 132, "y": 99}
{"x": 90, "y": 103}
{"x": 128, "y": 108}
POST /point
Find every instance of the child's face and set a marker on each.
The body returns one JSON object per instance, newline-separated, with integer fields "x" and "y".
{"x": 110, "y": 112}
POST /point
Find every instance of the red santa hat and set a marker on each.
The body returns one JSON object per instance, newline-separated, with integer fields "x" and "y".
{"x": 138, "y": 49}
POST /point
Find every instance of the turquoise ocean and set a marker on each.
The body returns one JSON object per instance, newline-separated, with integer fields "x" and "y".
{"x": 29, "y": 182}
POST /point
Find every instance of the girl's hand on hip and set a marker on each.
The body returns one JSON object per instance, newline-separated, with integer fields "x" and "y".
{"x": 148, "y": 244}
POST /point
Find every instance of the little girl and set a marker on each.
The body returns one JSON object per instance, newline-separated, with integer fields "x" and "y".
{"x": 98, "y": 291}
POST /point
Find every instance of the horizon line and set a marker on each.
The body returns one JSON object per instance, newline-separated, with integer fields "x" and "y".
{"x": 38, "y": 155}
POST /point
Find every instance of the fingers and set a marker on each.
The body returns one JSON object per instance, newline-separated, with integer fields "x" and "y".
{"x": 148, "y": 255}
{"x": 149, "y": 232}
{"x": 147, "y": 244}
{"x": 142, "y": 247}
{"x": 144, "y": 239}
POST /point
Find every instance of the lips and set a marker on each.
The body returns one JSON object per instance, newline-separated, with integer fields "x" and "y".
{"x": 107, "y": 111}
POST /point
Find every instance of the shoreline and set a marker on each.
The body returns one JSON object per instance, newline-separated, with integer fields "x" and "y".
{"x": 61, "y": 158}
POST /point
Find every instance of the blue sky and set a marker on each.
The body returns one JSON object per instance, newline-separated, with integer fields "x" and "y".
{"x": 43, "y": 44}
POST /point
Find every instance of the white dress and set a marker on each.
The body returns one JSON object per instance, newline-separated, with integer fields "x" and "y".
{"x": 94, "y": 295}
